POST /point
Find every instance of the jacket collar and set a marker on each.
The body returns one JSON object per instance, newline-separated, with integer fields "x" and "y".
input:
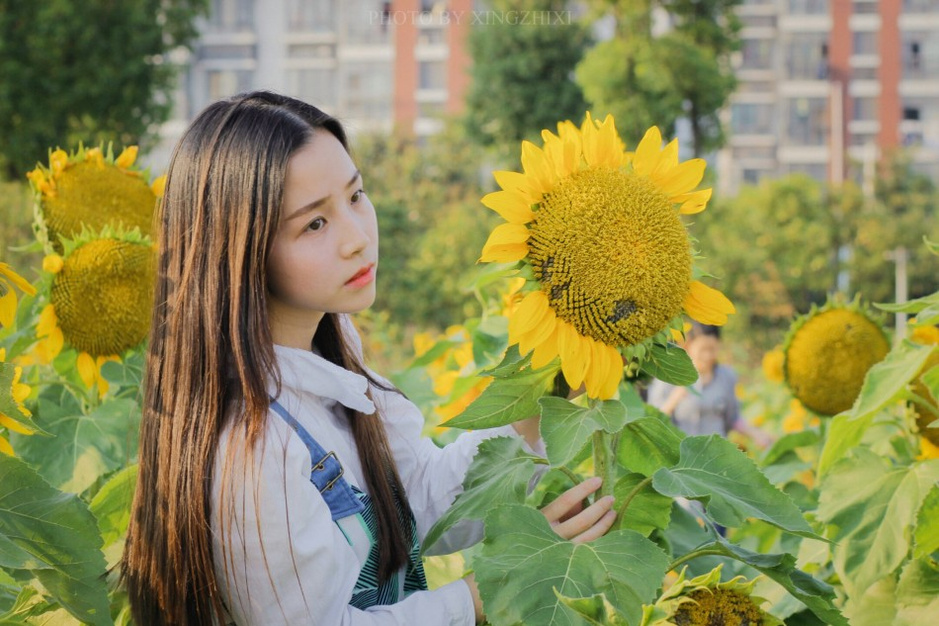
{"x": 305, "y": 371}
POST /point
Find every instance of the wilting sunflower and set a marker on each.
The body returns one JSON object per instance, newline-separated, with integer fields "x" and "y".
{"x": 92, "y": 189}
{"x": 828, "y": 353}
{"x": 705, "y": 601}
{"x": 100, "y": 299}
{"x": 926, "y": 335}
{"x": 611, "y": 260}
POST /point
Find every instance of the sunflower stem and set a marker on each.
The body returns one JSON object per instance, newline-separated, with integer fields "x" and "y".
{"x": 604, "y": 465}
{"x": 632, "y": 494}
{"x": 693, "y": 555}
{"x": 563, "y": 469}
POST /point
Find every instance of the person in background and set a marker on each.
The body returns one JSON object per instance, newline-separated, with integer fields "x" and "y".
{"x": 710, "y": 405}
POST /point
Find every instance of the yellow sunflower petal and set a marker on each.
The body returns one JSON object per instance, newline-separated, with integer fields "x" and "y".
{"x": 598, "y": 370}
{"x": 511, "y": 205}
{"x": 20, "y": 282}
{"x": 547, "y": 350}
{"x": 539, "y": 333}
{"x": 614, "y": 375}
{"x": 443, "y": 384}
{"x": 505, "y": 244}
{"x": 19, "y": 390}
{"x": 707, "y": 305}
{"x": 575, "y": 354}
{"x": 515, "y": 181}
{"x": 609, "y": 148}
{"x": 158, "y": 186}
{"x": 58, "y": 160}
{"x": 683, "y": 177}
{"x": 647, "y": 152}
{"x": 7, "y": 308}
{"x": 5, "y": 447}
{"x": 127, "y": 157}
{"x": 537, "y": 167}
{"x": 667, "y": 160}
{"x": 693, "y": 202}
{"x": 87, "y": 369}
{"x": 530, "y": 312}
{"x": 47, "y": 321}
{"x": 15, "y": 426}
{"x": 94, "y": 155}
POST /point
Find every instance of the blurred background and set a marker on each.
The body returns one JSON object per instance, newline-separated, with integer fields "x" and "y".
{"x": 819, "y": 120}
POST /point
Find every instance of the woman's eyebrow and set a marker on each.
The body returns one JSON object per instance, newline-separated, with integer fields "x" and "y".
{"x": 317, "y": 203}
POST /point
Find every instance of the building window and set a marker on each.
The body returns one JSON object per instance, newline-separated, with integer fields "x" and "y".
{"x": 862, "y": 7}
{"x": 807, "y": 56}
{"x": 367, "y": 88}
{"x": 318, "y": 16}
{"x": 432, "y": 75}
{"x": 748, "y": 118}
{"x": 757, "y": 54}
{"x": 807, "y": 121}
{"x": 865, "y": 109}
{"x": 230, "y": 15}
{"x": 809, "y": 7}
{"x": 225, "y": 83}
{"x": 318, "y": 86}
{"x": 364, "y": 23}
{"x": 911, "y": 114}
{"x": 864, "y": 42}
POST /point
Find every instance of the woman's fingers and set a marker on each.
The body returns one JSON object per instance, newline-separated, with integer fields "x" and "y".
{"x": 570, "y": 498}
{"x": 597, "y": 530}
{"x": 590, "y": 520}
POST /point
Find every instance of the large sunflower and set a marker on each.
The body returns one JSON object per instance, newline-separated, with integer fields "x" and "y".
{"x": 91, "y": 189}
{"x": 600, "y": 229}
{"x": 828, "y": 353}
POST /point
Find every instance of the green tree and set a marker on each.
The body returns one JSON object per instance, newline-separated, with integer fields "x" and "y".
{"x": 431, "y": 224}
{"x": 87, "y": 71}
{"x": 901, "y": 213}
{"x": 521, "y": 77}
{"x": 645, "y": 80}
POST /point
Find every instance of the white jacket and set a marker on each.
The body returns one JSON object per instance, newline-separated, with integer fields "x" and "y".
{"x": 288, "y": 562}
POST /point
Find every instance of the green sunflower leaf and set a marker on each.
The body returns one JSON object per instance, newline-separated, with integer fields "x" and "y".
{"x": 716, "y": 472}
{"x": 623, "y": 565}
{"x": 926, "y": 535}
{"x": 886, "y": 380}
{"x": 871, "y": 508}
{"x": 111, "y": 505}
{"x": 595, "y": 609}
{"x": 876, "y": 607}
{"x": 931, "y": 380}
{"x": 506, "y": 400}
{"x": 54, "y": 536}
{"x": 917, "y": 594}
{"x": 818, "y": 596}
{"x": 670, "y": 364}
{"x": 844, "y": 433}
{"x": 499, "y": 475}
{"x": 566, "y": 426}
{"x": 910, "y": 306}
{"x": 649, "y": 444}
{"x": 84, "y": 447}
{"x": 647, "y": 510}
{"x": 8, "y": 406}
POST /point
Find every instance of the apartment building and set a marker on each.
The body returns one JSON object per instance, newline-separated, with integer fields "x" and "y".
{"x": 826, "y": 87}
{"x": 375, "y": 64}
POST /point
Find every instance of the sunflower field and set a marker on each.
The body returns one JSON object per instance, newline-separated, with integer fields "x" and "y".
{"x": 585, "y": 291}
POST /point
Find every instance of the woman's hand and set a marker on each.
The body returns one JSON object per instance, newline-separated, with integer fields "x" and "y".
{"x": 571, "y": 521}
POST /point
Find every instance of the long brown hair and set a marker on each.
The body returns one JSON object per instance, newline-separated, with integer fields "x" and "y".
{"x": 211, "y": 354}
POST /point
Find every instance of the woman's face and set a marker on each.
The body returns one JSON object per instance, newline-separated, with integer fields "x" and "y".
{"x": 325, "y": 253}
{"x": 703, "y": 351}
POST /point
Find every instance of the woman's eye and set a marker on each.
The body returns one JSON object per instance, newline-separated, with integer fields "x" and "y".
{"x": 357, "y": 195}
{"x": 317, "y": 224}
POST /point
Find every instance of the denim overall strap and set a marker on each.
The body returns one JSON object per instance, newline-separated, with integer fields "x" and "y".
{"x": 326, "y": 471}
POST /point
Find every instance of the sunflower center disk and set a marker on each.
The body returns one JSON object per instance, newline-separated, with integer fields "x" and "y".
{"x": 612, "y": 255}
{"x": 718, "y": 606}
{"x": 102, "y": 296}
{"x": 87, "y": 194}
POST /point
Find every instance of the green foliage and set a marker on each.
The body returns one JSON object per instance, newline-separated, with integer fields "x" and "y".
{"x": 653, "y": 81}
{"x": 506, "y": 400}
{"x": 53, "y": 536}
{"x": 623, "y": 565}
{"x": 93, "y": 71}
{"x": 432, "y": 227}
{"x": 566, "y": 427}
{"x": 521, "y": 78}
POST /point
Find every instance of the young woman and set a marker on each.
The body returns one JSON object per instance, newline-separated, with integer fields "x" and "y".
{"x": 281, "y": 481}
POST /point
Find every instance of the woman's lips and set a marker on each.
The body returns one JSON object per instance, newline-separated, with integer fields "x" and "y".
{"x": 362, "y": 277}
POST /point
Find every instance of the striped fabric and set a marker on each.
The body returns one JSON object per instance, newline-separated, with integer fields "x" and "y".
{"x": 368, "y": 592}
